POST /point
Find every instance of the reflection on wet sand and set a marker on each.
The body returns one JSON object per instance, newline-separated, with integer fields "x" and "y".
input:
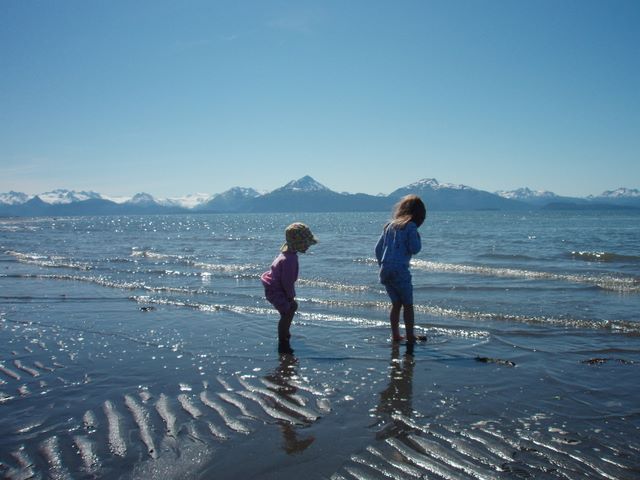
{"x": 396, "y": 399}
{"x": 282, "y": 376}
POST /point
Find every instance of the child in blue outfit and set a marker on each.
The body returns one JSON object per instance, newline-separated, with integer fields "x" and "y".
{"x": 399, "y": 241}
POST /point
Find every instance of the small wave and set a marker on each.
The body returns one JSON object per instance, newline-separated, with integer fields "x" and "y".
{"x": 47, "y": 261}
{"x": 605, "y": 257}
{"x": 333, "y": 285}
{"x": 105, "y": 282}
{"x": 150, "y": 254}
{"x": 254, "y": 310}
{"x": 204, "y": 307}
{"x": 17, "y": 227}
{"x": 346, "y": 303}
{"x": 507, "y": 256}
{"x": 606, "y": 282}
{"x": 608, "y": 351}
{"x": 366, "y": 261}
{"x": 190, "y": 261}
{"x": 616, "y": 326}
{"x": 305, "y": 316}
{"x": 227, "y": 268}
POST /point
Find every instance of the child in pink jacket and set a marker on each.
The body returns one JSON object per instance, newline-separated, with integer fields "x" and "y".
{"x": 280, "y": 279}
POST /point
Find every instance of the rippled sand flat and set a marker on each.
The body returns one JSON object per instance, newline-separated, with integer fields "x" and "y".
{"x": 188, "y": 397}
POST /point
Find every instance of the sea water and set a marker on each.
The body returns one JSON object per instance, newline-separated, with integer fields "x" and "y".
{"x": 142, "y": 346}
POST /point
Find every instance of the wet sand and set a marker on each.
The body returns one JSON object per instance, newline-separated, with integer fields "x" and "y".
{"x": 100, "y": 387}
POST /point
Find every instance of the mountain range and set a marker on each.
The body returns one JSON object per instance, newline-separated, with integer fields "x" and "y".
{"x": 306, "y": 195}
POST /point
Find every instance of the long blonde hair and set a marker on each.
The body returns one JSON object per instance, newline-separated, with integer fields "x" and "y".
{"x": 410, "y": 208}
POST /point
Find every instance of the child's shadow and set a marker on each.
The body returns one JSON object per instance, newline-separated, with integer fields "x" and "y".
{"x": 281, "y": 376}
{"x": 396, "y": 399}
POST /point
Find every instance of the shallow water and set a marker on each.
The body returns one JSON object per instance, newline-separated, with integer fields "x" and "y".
{"x": 140, "y": 347}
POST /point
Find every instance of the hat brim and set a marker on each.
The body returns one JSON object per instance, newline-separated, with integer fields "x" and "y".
{"x": 290, "y": 248}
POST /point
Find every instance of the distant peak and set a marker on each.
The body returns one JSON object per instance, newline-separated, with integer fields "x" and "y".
{"x": 244, "y": 191}
{"x": 425, "y": 182}
{"x": 63, "y": 196}
{"x": 142, "y": 199}
{"x": 433, "y": 184}
{"x": 524, "y": 193}
{"x": 14, "y": 198}
{"x": 237, "y": 194}
{"x": 305, "y": 184}
{"x": 191, "y": 200}
{"x": 622, "y": 192}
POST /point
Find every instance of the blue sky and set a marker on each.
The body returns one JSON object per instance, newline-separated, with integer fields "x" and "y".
{"x": 177, "y": 97}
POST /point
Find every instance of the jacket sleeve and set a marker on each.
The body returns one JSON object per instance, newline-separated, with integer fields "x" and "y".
{"x": 379, "y": 248}
{"x": 413, "y": 240}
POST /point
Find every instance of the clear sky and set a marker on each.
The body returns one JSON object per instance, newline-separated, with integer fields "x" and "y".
{"x": 178, "y": 97}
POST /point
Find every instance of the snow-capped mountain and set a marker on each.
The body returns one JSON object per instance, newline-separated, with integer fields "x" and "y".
{"x": 116, "y": 199}
{"x": 308, "y": 195}
{"x": 233, "y": 200}
{"x": 14, "y": 198}
{"x": 621, "y": 193}
{"x": 142, "y": 199}
{"x": 61, "y": 196}
{"x": 624, "y": 197}
{"x": 433, "y": 184}
{"x": 239, "y": 192}
{"x": 190, "y": 201}
{"x": 448, "y": 196}
{"x": 305, "y": 184}
{"x": 526, "y": 193}
{"x": 305, "y": 195}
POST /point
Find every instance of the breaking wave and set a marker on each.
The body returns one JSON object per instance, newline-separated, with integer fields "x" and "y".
{"x": 623, "y": 284}
{"x": 606, "y": 282}
{"x": 615, "y": 326}
{"x": 106, "y": 282}
{"x": 345, "y": 287}
{"x": 48, "y": 261}
{"x": 604, "y": 257}
{"x": 192, "y": 262}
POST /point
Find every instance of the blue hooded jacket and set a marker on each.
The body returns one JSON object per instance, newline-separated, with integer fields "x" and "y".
{"x": 396, "y": 245}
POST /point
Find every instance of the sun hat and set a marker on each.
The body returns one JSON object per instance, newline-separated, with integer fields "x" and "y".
{"x": 299, "y": 238}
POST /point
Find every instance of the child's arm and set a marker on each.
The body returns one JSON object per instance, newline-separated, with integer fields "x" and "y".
{"x": 379, "y": 248}
{"x": 413, "y": 237}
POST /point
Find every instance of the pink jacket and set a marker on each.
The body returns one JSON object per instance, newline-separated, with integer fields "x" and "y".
{"x": 283, "y": 274}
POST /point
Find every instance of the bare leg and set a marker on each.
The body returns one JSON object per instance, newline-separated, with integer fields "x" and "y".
{"x": 394, "y": 318}
{"x": 408, "y": 323}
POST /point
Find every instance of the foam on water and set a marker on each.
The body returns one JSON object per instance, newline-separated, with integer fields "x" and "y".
{"x": 606, "y": 282}
{"x": 332, "y": 285}
{"x": 48, "y": 261}
{"x": 605, "y": 257}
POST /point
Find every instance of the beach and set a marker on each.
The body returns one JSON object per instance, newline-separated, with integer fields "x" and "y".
{"x": 142, "y": 347}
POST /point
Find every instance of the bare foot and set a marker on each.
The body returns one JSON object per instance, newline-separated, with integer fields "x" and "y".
{"x": 417, "y": 338}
